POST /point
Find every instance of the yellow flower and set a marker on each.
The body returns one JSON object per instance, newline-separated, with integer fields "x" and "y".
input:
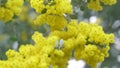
{"x": 95, "y": 4}
{"x": 15, "y": 6}
{"x": 5, "y": 14}
{"x": 109, "y": 2}
{"x": 58, "y": 7}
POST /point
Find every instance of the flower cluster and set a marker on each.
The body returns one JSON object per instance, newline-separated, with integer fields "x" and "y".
{"x": 9, "y": 9}
{"x": 52, "y": 12}
{"x": 77, "y": 40}
{"x": 58, "y": 7}
{"x": 95, "y": 4}
{"x": 54, "y": 21}
{"x": 5, "y": 14}
{"x": 15, "y": 6}
{"x": 67, "y": 39}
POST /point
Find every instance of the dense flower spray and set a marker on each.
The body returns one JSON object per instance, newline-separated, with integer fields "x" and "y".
{"x": 67, "y": 39}
{"x": 9, "y": 9}
{"x": 96, "y": 4}
{"x": 88, "y": 41}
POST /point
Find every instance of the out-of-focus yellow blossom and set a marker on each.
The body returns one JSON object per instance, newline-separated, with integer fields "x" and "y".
{"x": 109, "y": 2}
{"x": 54, "y": 21}
{"x": 24, "y": 36}
{"x": 5, "y": 14}
{"x": 24, "y": 15}
{"x": 52, "y": 12}
{"x": 68, "y": 32}
{"x": 95, "y": 4}
{"x": 15, "y": 6}
{"x": 58, "y": 7}
{"x": 38, "y": 5}
{"x": 9, "y": 9}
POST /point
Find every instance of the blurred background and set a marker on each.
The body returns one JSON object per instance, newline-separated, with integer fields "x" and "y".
{"x": 19, "y": 30}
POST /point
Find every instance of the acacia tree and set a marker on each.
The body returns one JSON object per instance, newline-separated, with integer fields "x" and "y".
{"x": 64, "y": 37}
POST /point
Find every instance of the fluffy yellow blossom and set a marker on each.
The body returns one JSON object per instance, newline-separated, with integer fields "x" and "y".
{"x": 52, "y": 12}
{"x": 38, "y": 5}
{"x": 95, "y": 4}
{"x": 50, "y": 51}
{"x": 24, "y": 15}
{"x": 24, "y": 36}
{"x": 89, "y": 42}
{"x": 97, "y": 35}
{"x": 37, "y": 37}
{"x": 82, "y": 40}
{"x": 54, "y": 21}
{"x": 68, "y": 32}
{"x": 15, "y": 6}
{"x": 11, "y": 8}
{"x": 84, "y": 29}
{"x": 27, "y": 50}
{"x": 11, "y": 54}
{"x": 58, "y": 53}
{"x": 91, "y": 54}
{"x": 31, "y": 56}
{"x": 5, "y": 14}
{"x": 109, "y": 2}
{"x": 68, "y": 45}
{"x": 58, "y": 7}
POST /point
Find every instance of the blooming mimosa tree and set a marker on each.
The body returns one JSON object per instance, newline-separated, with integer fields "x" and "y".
{"x": 67, "y": 38}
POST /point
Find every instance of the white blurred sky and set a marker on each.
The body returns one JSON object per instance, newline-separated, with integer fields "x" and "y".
{"x": 76, "y": 64}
